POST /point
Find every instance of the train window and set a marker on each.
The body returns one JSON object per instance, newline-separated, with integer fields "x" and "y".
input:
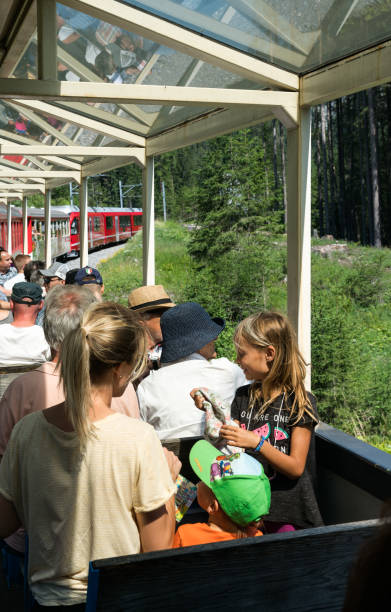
{"x": 124, "y": 221}
{"x": 96, "y": 224}
{"x": 138, "y": 220}
{"x": 109, "y": 222}
{"x": 75, "y": 227}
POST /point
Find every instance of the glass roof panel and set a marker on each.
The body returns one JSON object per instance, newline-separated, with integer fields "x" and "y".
{"x": 93, "y": 50}
{"x": 298, "y": 35}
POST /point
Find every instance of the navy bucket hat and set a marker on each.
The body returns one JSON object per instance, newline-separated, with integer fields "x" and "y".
{"x": 186, "y": 328}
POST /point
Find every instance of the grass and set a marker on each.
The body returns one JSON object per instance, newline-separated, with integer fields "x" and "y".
{"x": 123, "y": 272}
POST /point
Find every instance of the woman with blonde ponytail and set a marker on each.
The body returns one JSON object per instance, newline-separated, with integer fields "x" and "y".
{"x": 276, "y": 418}
{"x": 87, "y": 482}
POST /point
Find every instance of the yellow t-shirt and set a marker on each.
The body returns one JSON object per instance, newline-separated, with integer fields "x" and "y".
{"x": 80, "y": 508}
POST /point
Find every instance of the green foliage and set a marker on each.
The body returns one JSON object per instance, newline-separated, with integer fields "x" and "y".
{"x": 123, "y": 272}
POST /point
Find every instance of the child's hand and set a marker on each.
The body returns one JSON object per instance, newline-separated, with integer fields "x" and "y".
{"x": 236, "y": 436}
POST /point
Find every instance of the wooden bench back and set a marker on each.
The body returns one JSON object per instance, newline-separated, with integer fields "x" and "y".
{"x": 305, "y": 570}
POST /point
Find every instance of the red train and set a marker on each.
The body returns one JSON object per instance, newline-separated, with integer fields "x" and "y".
{"x": 105, "y": 226}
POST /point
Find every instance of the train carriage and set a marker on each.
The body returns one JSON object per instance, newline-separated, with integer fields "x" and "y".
{"x": 105, "y": 226}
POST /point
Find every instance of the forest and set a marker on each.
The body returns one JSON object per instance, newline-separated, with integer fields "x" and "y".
{"x": 228, "y": 199}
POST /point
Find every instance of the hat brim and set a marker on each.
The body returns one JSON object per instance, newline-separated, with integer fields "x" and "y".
{"x": 146, "y": 308}
{"x": 201, "y": 457}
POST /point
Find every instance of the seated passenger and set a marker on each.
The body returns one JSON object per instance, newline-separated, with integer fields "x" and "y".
{"x": 22, "y": 343}
{"x": 276, "y": 418}
{"x": 53, "y": 276}
{"x": 188, "y": 360}
{"x": 150, "y": 302}
{"x": 234, "y": 491}
{"x": 92, "y": 279}
{"x": 84, "y": 481}
{"x": 20, "y": 263}
{"x": 7, "y": 271}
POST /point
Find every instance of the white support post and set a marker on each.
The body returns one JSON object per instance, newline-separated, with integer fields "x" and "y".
{"x": 47, "y": 40}
{"x": 83, "y": 223}
{"x": 48, "y": 233}
{"x": 148, "y": 223}
{"x": 9, "y": 228}
{"x": 25, "y": 226}
{"x": 299, "y": 234}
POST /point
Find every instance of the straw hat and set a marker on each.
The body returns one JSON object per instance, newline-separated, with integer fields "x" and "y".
{"x": 149, "y": 297}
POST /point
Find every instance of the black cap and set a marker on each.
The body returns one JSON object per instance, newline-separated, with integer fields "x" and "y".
{"x": 26, "y": 293}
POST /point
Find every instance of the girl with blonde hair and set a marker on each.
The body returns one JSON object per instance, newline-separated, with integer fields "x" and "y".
{"x": 87, "y": 482}
{"x": 276, "y": 418}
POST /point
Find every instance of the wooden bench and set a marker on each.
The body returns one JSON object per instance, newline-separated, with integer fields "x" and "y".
{"x": 302, "y": 571}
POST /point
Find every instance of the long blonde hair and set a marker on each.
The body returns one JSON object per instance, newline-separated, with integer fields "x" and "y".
{"x": 288, "y": 367}
{"x": 108, "y": 335}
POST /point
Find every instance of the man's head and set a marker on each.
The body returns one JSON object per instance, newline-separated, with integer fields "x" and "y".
{"x": 64, "y": 309}
{"x": 125, "y": 42}
{"x": 26, "y": 302}
{"x": 5, "y": 261}
{"x": 32, "y": 271}
{"x": 20, "y": 261}
{"x": 55, "y": 275}
{"x": 150, "y": 302}
{"x": 187, "y": 329}
{"x": 92, "y": 279}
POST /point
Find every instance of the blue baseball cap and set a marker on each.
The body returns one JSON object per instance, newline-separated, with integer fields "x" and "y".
{"x": 88, "y": 276}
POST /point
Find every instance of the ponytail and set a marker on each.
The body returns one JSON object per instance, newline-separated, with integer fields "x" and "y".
{"x": 75, "y": 375}
{"x": 109, "y": 334}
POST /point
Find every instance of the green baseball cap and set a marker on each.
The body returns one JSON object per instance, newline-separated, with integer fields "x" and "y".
{"x": 238, "y": 482}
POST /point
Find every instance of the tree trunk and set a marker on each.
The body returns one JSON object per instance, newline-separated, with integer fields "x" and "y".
{"x": 318, "y": 164}
{"x": 283, "y": 168}
{"x": 331, "y": 164}
{"x": 275, "y": 166}
{"x": 341, "y": 171}
{"x": 323, "y": 122}
{"x": 374, "y": 170}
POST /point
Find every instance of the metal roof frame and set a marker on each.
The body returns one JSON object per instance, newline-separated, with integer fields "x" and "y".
{"x": 136, "y": 131}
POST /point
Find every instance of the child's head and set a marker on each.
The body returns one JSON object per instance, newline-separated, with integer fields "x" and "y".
{"x": 237, "y": 482}
{"x": 272, "y": 335}
{"x": 267, "y": 351}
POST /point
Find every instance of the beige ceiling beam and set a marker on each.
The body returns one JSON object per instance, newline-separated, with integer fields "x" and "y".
{"x": 41, "y": 174}
{"x": 9, "y": 149}
{"x": 21, "y": 150}
{"x": 106, "y": 117}
{"x": 195, "y": 45}
{"x": 110, "y": 163}
{"x": 46, "y": 40}
{"x": 19, "y": 37}
{"x": 39, "y": 164}
{"x": 139, "y": 94}
{"x": 217, "y": 122}
{"x": 11, "y": 195}
{"x": 39, "y": 121}
{"x": 361, "y": 71}
{"x": 87, "y": 74}
{"x": 262, "y": 13}
{"x": 60, "y": 161}
{"x": 75, "y": 118}
{"x": 23, "y": 187}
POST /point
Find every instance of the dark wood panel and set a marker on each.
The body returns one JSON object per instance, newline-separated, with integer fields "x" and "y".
{"x": 303, "y": 571}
